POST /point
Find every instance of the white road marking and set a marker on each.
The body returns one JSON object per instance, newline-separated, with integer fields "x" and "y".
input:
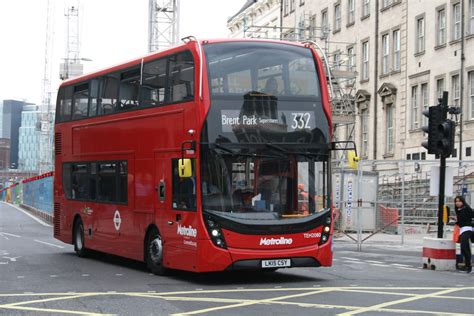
{"x": 12, "y": 259}
{"x": 53, "y": 276}
{"x": 371, "y": 261}
{"x": 404, "y": 268}
{"x": 348, "y": 258}
{"x": 85, "y": 275}
{"x": 378, "y": 265}
{"x": 20, "y": 277}
{"x": 119, "y": 274}
{"x": 400, "y": 265}
{"x": 47, "y": 243}
{"x": 4, "y": 262}
{"x": 359, "y": 262}
{"x": 28, "y": 214}
{"x": 11, "y": 235}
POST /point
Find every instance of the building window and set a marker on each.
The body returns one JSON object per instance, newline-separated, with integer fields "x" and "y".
{"x": 325, "y": 23}
{"x": 301, "y": 28}
{"x": 292, "y": 5}
{"x": 414, "y": 107}
{"x": 301, "y": 2}
{"x": 365, "y": 60}
{"x": 285, "y": 7}
{"x": 390, "y": 129}
{"x": 425, "y": 101}
{"x": 471, "y": 18}
{"x": 439, "y": 89}
{"x": 364, "y": 132}
{"x": 366, "y": 8}
{"x": 468, "y": 151}
{"x": 385, "y": 54}
{"x": 337, "y": 17}
{"x": 471, "y": 93}
{"x": 441, "y": 29}
{"x": 455, "y": 90}
{"x": 420, "y": 35}
{"x": 351, "y": 15}
{"x": 396, "y": 50}
{"x": 456, "y": 21}
{"x": 386, "y": 3}
{"x": 337, "y": 60}
{"x": 350, "y": 59}
{"x": 312, "y": 26}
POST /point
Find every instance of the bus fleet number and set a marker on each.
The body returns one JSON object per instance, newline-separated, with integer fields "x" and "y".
{"x": 301, "y": 120}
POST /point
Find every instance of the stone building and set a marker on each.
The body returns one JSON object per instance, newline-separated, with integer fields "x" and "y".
{"x": 403, "y": 54}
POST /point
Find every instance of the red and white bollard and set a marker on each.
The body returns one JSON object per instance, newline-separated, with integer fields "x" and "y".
{"x": 439, "y": 254}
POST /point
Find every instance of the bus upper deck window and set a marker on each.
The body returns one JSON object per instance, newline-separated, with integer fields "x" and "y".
{"x": 65, "y": 104}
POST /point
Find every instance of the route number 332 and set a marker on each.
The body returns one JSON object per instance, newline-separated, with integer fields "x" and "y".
{"x": 301, "y": 120}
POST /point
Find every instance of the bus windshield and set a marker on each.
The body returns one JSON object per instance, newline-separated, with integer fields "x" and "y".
{"x": 263, "y": 183}
{"x": 265, "y": 141}
{"x": 237, "y": 68}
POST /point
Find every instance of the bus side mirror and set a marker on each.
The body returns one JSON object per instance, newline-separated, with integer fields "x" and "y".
{"x": 185, "y": 169}
{"x": 353, "y": 160}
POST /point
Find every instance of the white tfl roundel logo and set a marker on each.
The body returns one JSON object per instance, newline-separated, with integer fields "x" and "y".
{"x": 117, "y": 220}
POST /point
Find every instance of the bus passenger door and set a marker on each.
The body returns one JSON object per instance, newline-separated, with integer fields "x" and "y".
{"x": 177, "y": 214}
{"x": 176, "y": 211}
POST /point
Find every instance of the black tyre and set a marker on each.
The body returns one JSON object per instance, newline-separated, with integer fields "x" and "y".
{"x": 154, "y": 253}
{"x": 78, "y": 239}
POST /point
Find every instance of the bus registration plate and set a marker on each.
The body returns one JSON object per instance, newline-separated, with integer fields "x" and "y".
{"x": 276, "y": 263}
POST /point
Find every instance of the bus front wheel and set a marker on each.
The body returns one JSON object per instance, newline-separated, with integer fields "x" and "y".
{"x": 154, "y": 253}
{"x": 79, "y": 247}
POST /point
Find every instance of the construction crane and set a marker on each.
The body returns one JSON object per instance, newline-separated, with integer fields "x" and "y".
{"x": 163, "y": 24}
{"x": 72, "y": 66}
{"x": 46, "y": 118}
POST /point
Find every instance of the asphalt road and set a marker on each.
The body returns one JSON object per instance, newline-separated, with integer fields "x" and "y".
{"x": 40, "y": 275}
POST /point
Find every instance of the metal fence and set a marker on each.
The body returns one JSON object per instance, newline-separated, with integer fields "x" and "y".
{"x": 393, "y": 197}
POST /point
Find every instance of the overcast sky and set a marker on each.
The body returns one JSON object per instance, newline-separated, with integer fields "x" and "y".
{"x": 112, "y": 31}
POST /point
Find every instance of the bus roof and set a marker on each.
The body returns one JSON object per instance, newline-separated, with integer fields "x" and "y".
{"x": 162, "y": 53}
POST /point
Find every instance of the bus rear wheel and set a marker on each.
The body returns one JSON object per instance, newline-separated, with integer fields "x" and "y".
{"x": 79, "y": 246}
{"x": 154, "y": 253}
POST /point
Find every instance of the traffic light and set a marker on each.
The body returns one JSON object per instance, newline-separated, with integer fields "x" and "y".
{"x": 436, "y": 117}
{"x": 440, "y": 129}
{"x": 446, "y": 142}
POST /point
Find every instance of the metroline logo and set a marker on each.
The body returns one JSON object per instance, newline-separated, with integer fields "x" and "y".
{"x": 274, "y": 241}
{"x": 187, "y": 231}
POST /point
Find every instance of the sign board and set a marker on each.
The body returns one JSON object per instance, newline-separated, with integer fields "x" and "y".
{"x": 448, "y": 184}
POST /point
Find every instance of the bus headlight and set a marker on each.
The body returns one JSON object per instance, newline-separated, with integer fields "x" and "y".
{"x": 215, "y": 233}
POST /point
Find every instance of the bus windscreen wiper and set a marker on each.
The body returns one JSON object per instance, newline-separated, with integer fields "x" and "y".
{"x": 228, "y": 151}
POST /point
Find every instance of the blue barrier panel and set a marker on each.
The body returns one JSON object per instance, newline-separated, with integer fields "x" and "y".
{"x": 39, "y": 194}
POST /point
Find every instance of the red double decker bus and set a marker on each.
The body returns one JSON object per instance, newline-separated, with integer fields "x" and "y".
{"x": 213, "y": 155}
